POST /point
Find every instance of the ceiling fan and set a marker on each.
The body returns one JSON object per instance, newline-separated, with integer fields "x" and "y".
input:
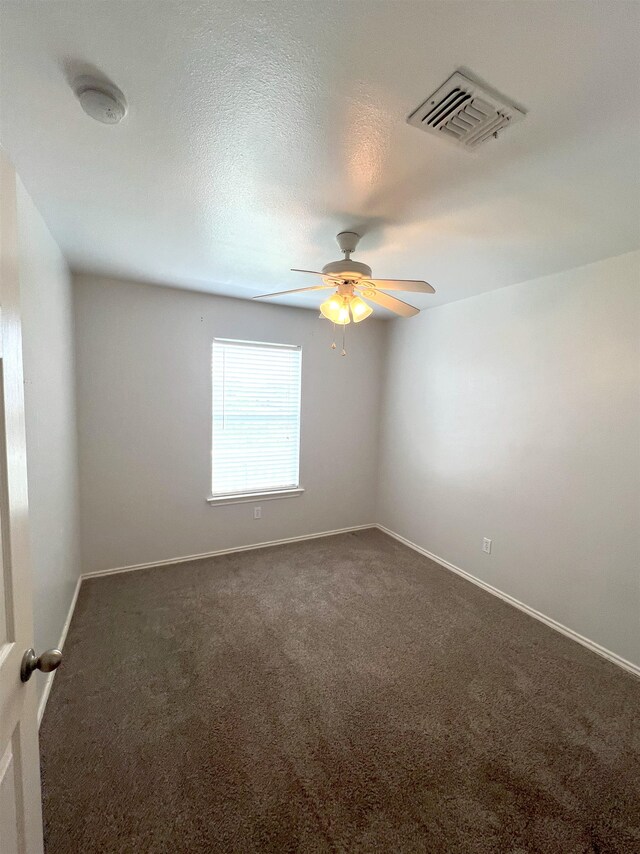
{"x": 351, "y": 281}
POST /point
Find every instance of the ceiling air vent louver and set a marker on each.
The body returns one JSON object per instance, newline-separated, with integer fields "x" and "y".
{"x": 465, "y": 112}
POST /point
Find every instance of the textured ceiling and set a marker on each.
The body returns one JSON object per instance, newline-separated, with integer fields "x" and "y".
{"x": 257, "y": 130}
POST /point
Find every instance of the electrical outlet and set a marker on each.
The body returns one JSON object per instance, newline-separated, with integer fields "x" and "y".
{"x": 257, "y": 512}
{"x": 486, "y": 545}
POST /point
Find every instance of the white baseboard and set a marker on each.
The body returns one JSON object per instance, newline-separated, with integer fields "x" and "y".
{"x": 554, "y": 624}
{"x": 548, "y": 621}
{"x": 63, "y": 636}
{"x": 188, "y": 558}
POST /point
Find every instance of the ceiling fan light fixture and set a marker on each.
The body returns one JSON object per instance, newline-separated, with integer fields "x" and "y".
{"x": 336, "y": 309}
{"x": 349, "y": 280}
{"x": 359, "y": 309}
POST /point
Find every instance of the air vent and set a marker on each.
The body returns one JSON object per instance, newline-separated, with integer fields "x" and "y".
{"x": 466, "y": 112}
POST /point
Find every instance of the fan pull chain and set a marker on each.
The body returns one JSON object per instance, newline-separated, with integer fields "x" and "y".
{"x": 333, "y": 346}
{"x": 344, "y": 335}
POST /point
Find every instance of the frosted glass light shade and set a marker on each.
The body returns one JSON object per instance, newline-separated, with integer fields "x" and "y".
{"x": 359, "y": 309}
{"x": 336, "y": 309}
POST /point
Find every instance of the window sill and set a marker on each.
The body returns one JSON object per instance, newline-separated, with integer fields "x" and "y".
{"x": 249, "y": 497}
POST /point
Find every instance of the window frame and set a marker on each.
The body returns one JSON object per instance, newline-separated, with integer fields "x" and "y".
{"x": 267, "y": 494}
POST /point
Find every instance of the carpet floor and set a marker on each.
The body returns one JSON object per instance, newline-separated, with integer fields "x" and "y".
{"x": 343, "y": 694}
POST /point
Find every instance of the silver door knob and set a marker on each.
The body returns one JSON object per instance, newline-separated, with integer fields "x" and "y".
{"x": 48, "y": 661}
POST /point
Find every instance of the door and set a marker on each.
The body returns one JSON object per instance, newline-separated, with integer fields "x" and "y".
{"x": 20, "y": 805}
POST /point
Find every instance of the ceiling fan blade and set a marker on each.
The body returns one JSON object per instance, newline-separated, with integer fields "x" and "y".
{"x": 316, "y": 273}
{"x": 393, "y": 304}
{"x": 295, "y": 291}
{"x": 408, "y": 285}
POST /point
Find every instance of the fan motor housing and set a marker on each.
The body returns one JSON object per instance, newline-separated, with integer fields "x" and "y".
{"x": 347, "y": 269}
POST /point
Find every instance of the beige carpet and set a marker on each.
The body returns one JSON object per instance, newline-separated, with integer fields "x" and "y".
{"x": 339, "y": 695}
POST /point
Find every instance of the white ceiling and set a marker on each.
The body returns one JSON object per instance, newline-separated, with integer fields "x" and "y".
{"x": 257, "y": 131}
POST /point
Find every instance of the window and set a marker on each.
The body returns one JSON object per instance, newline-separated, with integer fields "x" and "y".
{"x": 256, "y": 418}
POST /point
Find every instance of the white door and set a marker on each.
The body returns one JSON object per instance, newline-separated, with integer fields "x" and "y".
{"x": 20, "y": 806}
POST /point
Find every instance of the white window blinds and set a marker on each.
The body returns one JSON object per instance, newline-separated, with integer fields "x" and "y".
{"x": 256, "y": 417}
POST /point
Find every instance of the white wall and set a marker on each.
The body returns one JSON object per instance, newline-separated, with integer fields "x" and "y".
{"x": 49, "y": 376}
{"x": 515, "y": 415}
{"x": 144, "y": 418}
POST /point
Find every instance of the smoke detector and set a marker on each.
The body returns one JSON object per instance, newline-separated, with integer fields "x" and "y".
{"x": 466, "y": 112}
{"x": 101, "y": 100}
